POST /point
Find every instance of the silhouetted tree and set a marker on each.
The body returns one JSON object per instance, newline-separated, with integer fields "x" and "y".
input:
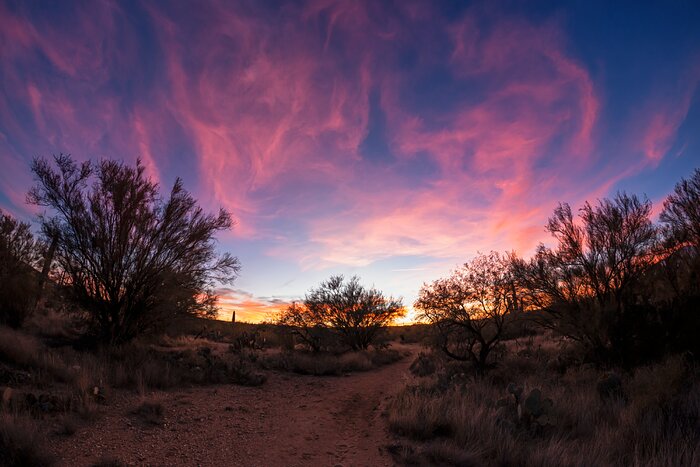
{"x": 472, "y": 309}
{"x": 355, "y": 314}
{"x": 19, "y": 253}
{"x": 680, "y": 252}
{"x": 132, "y": 258}
{"x": 676, "y": 280}
{"x": 587, "y": 286}
{"x": 681, "y": 213}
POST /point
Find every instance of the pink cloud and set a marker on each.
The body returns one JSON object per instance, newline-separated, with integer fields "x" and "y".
{"x": 494, "y": 148}
{"x": 277, "y": 114}
{"x": 275, "y": 109}
{"x": 653, "y": 130}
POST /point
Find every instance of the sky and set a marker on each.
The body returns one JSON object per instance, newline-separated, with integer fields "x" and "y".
{"x": 392, "y": 140}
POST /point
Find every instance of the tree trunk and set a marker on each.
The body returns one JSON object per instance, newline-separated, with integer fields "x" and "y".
{"x": 46, "y": 268}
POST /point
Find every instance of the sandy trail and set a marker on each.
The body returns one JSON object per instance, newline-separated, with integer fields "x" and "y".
{"x": 291, "y": 420}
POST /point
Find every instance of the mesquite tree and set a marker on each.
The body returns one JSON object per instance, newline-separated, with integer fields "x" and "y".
{"x": 472, "y": 308}
{"x": 587, "y": 287}
{"x": 355, "y": 314}
{"x": 132, "y": 258}
{"x": 681, "y": 213}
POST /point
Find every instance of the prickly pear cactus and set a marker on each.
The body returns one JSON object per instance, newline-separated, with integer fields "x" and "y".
{"x": 516, "y": 391}
{"x": 536, "y": 409}
{"x": 532, "y": 412}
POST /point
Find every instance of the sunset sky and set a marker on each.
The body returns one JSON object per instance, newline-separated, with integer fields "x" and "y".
{"x": 392, "y": 140}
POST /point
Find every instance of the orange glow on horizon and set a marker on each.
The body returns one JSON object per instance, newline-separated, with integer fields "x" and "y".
{"x": 259, "y": 311}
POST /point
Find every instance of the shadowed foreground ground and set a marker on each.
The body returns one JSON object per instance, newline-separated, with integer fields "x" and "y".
{"x": 291, "y": 420}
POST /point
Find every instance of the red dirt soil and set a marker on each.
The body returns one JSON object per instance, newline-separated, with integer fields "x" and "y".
{"x": 291, "y": 420}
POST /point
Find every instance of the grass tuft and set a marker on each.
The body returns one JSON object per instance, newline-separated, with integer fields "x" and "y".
{"x": 21, "y": 443}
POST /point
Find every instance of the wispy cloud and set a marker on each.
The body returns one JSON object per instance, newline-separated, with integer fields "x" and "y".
{"x": 339, "y": 134}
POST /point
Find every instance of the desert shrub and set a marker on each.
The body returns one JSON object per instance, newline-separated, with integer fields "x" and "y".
{"x": 18, "y": 280}
{"x": 681, "y": 212}
{"x": 356, "y": 316}
{"x": 417, "y": 333}
{"x": 134, "y": 260}
{"x": 585, "y": 284}
{"x": 248, "y": 340}
{"x": 472, "y": 309}
{"x": 672, "y": 286}
{"x": 21, "y": 443}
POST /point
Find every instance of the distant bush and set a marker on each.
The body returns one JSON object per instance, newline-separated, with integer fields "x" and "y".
{"x": 341, "y": 312}
{"x": 248, "y": 340}
{"x": 417, "y": 333}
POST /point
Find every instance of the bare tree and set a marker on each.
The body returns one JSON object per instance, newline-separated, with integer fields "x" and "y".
{"x": 681, "y": 213}
{"x": 132, "y": 258}
{"x": 587, "y": 283}
{"x": 472, "y": 309}
{"x": 352, "y": 312}
{"x": 19, "y": 254}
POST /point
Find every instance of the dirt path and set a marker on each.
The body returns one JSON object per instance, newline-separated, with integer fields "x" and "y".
{"x": 289, "y": 421}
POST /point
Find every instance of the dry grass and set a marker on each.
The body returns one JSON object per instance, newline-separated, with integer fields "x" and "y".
{"x": 453, "y": 415}
{"x": 24, "y": 351}
{"x": 328, "y": 364}
{"x": 136, "y": 366}
{"x": 21, "y": 443}
{"x": 139, "y": 365}
{"x": 52, "y": 323}
{"x": 72, "y": 385}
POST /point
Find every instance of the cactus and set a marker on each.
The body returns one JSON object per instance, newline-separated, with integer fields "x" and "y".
{"x": 533, "y": 411}
{"x": 535, "y": 406}
{"x": 516, "y": 391}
